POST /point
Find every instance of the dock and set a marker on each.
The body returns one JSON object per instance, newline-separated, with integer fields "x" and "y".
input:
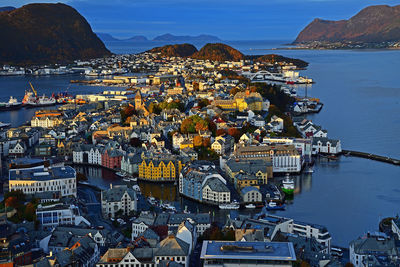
{"x": 371, "y": 156}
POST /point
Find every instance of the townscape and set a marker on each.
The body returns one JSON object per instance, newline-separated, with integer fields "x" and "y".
{"x": 223, "y": 140}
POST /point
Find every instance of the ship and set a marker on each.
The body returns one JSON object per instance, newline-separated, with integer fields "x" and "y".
{"x": 273, "y": 206}
{"x": 286, "y": 77}
{"x": 4, "y": 125}
{"x": 31, "y": 99}
{"x": 250, "y": 206}
{"x": 12, "y": 104}
{"x": 230, "y": 206}
{"x": 288, "y": 186}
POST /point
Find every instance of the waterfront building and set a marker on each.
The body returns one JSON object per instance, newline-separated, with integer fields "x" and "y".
{"x": 203, "y": 186}
{"x": 326, "y": 146}
{"x": 374, "y": 249}
{"x": 261, "y": 168}
{"x": 43, "y": 179}
{"x": 17, "y": 149}
{"x": 111, "y": 158}
{"x": 46, "y": 121}
{"x": 276, "y": 124}
{"x": 50, "y": 216}
{"x": 251, "y": 194}
{"x": 118, "y": 199}
{"x": 95, "y": 155}
{"x": 285, "y": 158}
{"x": 228, "y": 253}
{"x": 162, "y": 167}
{"x": 130, "y": 163}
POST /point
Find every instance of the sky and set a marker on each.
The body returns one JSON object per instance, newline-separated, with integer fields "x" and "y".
{"x": 227, "y": 19}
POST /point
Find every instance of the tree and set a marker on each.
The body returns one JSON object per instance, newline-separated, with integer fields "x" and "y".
{"x": 220, "y": 132}
{"x": 135, "y": 142}
{"x": 234, "y": 90}
{"x": 198, "y": 141}
{"x": 30, "y": 212}
{"x": 201, "y": 126}
{"x": 203, "y": 102}
{"x": 206, "y": 142}
{"x": 235, "y": 133}
{"x": 12, "y": 202}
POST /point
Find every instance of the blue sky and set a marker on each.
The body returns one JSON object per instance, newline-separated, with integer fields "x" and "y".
{"x": 227, "y": 19}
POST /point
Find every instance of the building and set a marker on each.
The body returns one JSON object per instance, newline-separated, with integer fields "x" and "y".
{"x": 111, "y": 158}
{"x": 59, "y": 214}
{"x": 374, "y": 249}
{"x": 126, "y": 257}
{"x": 161, "y": 168}
{"x": 285, "y": 158}
{"x": 118, "y": 199}
{"x": 260, "y": 168}
{"x": 203, "y": 186}
{"x": 45, "y": 122}
{"x": 130, "y": 163}
{"x": 173, "y": 249}
{"x": 251, "y": 194}
{"x": 142, "y": 223}
{"x": 326, "y": 146}
{"x": 225, "y": 253}
{"x": 43, "y": 179}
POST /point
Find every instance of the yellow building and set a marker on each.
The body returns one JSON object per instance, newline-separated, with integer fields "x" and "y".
{"x": 241, "y": 101}
{"x": 160, "y": 170}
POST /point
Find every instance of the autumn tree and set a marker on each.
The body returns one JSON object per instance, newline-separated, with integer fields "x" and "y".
{"x": 220, "y": 132}
{"x": 12, "y": 202}
{"x": 206, "y": 142}
{"x": 30, "y": 212}
{"x": 201, "y": 126}
{"x": 197, "y": 141}
{"x": 235, "y": 133}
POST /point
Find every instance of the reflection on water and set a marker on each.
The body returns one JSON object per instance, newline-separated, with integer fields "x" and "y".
{"x": 166, "y": 192}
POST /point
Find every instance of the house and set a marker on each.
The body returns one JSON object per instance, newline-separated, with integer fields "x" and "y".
{"x": 276, "y": 124}
{"x": 126, "y": 257}
{"x": 130, "y": 163}
{"x": 94, "y": 155}
{"x": 142, "y": 223}
{"x": 162, "y": 168}
{"x": 17, "y": 150}
{"x": 174, "y": 249}
{"x": 251, "y": 194}
{"x": 111, "y": 158}
{"x": 118, "y": 199}
{"x": 326, "y": 146}
{"x": 374, "y": 249}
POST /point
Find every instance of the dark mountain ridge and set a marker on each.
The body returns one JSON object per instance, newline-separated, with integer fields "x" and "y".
{"x": 47, "y": 33}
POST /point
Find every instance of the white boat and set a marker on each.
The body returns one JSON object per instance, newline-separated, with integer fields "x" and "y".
{"x": 136, "y": 188}
{"x": 120, "y": 174}
{"x": 250, "y": 206}
{"x": 309, "y": 170}
{"x": 152, "y": 201}
{"x": 133, "y": 179}
{"x": 126, "y": 180}
{"x": 230, "y": 206}
{"x": 288, "y": 185}
{"x": 168, "y": 207}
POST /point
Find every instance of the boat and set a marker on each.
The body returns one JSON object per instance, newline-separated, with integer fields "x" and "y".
{"x": 120, "y": 174}
{"x": 4, "y": 125}
{"x": 168, "y": 207}
{"x": 332, "y": 157}
{"x": 274, "y": 206}
{"x": 152, "y": 201}
{"x": 250, "y": 206}
{"x": 126, "y": 180}
{"x": 132, "y": 179}
{"x": 230, "y": 206}
{"x": 288, "y": 186}
{"x": 12, "y": 104}
{"x": 136, "y": 188}
{"x": 31, "y": 99}
{"x": 309, "y": 170}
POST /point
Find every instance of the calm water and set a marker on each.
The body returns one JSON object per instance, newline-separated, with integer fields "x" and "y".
{"x": 361, "y": 94}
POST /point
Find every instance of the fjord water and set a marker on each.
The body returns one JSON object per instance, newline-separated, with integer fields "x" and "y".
{"x": 361, "y": 93}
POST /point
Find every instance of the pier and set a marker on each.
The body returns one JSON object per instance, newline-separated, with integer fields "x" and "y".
{"x": 371, "y": 156}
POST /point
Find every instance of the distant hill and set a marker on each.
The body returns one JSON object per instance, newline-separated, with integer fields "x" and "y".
{"x": 218, "y": 52}
{"x": 373, "y": 24}
{"x": 47, "y": 33}
{"x": 272, "y": 58}
{"x": 106, "y": 37}
{"x": 177, "y": 50}
{"x": 6, "y": 8}
{"x": 173, "y": 38}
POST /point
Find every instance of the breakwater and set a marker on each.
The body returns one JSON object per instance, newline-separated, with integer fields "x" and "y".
{"x": 371, "y": 156}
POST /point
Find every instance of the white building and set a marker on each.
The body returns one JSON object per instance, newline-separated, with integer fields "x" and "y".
{"x": 43, "y": 179}
{"x": 94, "y": 155}
{"x": 118, "y": 198}
{"x": 59, "y": 214}
{"x": 141, "y": 224}
{"x": 326, "y": 146}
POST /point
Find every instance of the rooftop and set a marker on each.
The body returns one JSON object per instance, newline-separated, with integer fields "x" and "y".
{"x": 279, "y": 251}
{"x": 42, "y": 173}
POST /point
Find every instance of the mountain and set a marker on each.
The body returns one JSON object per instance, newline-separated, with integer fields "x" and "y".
{"x": 6, "y": 8}
{"x": 373, "y": 24}
{"x": 138, "y": 38}
{"x": 273, "y": 58}
{"x": 218, "y": 52}
{"x": 106, "y": 37}
{"x": 177, "y": 50}
{"x": 47, "y": 33}
{"x": 173, "y": 38}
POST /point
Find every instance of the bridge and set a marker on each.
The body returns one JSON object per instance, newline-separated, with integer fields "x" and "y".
{"x": 371, "y": 156}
